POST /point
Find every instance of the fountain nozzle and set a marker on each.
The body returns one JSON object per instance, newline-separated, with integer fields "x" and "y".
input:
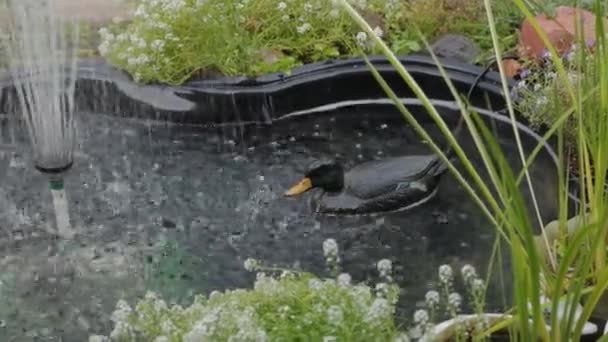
{"x": 54, "y": 170}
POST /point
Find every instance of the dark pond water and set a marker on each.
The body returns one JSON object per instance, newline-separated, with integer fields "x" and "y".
{"x": 178, "y": 209}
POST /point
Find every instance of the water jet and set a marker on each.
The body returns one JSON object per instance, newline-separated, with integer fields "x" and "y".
{"x": 41, "y": 45}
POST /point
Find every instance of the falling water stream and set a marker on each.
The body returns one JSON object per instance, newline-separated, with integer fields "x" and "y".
{"x": 40, "y": 47}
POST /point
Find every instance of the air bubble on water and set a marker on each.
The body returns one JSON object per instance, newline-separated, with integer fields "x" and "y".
{"x": 360, "y": 156}
{"x": 358, "y": 146}
{"x": 239, "y": 158}
{"x": 383, "y": 126}
{"x": 317, "y": 126}
{"x": 251, "y": 149}
{"x": 380, "y": 152}
{"x": 316, "y": 134}
{"x": 261, "y": 178}
{"x": 359, "y": 134}
{"x": 292, "y": 139}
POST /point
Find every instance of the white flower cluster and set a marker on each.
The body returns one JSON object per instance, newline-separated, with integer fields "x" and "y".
{"x": 233, "y": 315}
{"x": 446, "y": 275}
{"x": 363, "y": 40}
{"x": 330, "y": 251}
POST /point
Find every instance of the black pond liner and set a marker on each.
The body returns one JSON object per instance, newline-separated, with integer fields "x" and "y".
{"x": 314, "y": 88}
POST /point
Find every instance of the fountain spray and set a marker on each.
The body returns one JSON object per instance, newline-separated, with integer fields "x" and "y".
{"x": 42, "y": 50}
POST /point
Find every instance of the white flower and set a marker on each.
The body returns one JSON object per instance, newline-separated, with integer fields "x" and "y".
{"x": 250, "y": 264}
{"x": 334, "y": 13}
{"x": 382, "y": 288}
{"x": 378, "y": 32}
{"x": 329, "y": 339}
{"x": 421, "y": 317}
{"x": 141, "y": 11}
{"x": 122, "y": 331}
{"x": 379, "y": 310}
{"x": 361, "y": 4}
{"x": 402, "y": 338}
{"x": 432, "y": 298}
{"x": 330, "y": 248}
{"x": 335, "y": 315}
{"x": 344, "y": 279}
{"x": 385, "y": 267}
{"x": 454, "y": 301}
{"x": 158, "y": 45}
{"x": 361, "y": 39}
{"x": 315, "y": 284}
{"x": 281, "y": 6}
{"x": 122, "y": 312}
{"x": 391, "y": 5}
{"x": 308, "y": 7}
{"x": 285, "y": 18}
{"x": 468, "y": 273}
{"x": 104, "y": 48}
{"x": 446, "y": 274}
{"x": 304, "y": 28}
{"x": 542, "y": 101}
{"x": 478, "y": 286}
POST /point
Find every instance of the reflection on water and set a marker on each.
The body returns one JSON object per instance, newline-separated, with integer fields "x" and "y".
{"x": 178, "y": 210}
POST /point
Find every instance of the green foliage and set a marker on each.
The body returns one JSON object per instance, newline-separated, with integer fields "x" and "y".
{"x": 173, "y": 41}
{"x": 542, "y": 96}
{"x": 582, "y": 264}
{"x": 283, "y": 305}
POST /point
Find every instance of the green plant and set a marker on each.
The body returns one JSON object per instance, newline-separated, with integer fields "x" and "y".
{"x": 541, "y": 96}
{"x": 173, "y": 41}
{"x": 582, "y": 264}
{"x": 283, "y": 305}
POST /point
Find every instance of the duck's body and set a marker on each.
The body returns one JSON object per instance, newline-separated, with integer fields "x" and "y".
{"x": 386, "y": 185}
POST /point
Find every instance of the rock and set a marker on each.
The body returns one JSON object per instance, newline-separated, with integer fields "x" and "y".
{"x": 561, "y": 31}
{"x": 512, "y": 67}
{"x": 270, "y": 56}
{"x": 457, "y": 47}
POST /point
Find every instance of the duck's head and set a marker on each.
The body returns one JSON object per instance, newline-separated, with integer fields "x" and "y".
{"x": 327, "y": 175}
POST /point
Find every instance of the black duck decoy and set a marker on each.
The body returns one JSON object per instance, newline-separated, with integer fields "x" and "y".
{"x": 390, "y": 184}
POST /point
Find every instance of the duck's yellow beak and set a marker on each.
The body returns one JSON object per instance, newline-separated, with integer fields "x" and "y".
{"x": 304, "y": 185}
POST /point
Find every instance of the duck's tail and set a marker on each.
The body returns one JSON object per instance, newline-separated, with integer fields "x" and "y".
{"x": 439, "y": 167}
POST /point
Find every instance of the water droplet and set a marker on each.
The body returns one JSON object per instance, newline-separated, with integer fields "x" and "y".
{"x": 292, "y": 139}
{"x": 360, "y": 156}
{"x": 315, "y": 134}
{"x": 358, "y": 146}
{"x": 383, "y": 126}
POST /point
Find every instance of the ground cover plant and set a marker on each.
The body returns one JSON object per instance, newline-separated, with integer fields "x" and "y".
{"x": 173, "y": 41}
